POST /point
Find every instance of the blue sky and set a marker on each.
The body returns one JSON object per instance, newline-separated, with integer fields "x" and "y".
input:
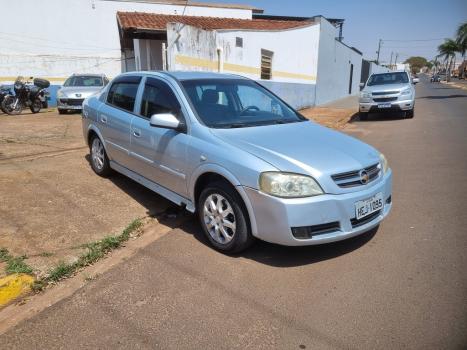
{"x": 368, "y": 21}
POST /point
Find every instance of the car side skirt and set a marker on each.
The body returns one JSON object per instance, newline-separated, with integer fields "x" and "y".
{"x": 164, "y": 192}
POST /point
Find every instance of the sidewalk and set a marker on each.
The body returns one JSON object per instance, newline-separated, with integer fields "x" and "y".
{"x": 460, "y": 84}
{"x": 336, "y": 114}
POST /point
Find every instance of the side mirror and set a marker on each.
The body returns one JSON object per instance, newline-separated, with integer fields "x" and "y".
{"x": 165, "y": 120}
{"x": 415, "y": 80}
{"x": 362, "y": 85}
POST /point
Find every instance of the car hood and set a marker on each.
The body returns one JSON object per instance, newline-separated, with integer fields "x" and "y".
{"x": 386, "y": 87}
{"x": 80, "y": 92}
{"x": 304, "y": 147}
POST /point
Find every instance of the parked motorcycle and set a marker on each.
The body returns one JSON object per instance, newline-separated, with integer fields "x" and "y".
{"x": 26, "y": 95}
{"x": 4, "y": 91}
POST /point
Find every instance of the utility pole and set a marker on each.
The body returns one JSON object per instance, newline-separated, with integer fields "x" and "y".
{"x": 379, "y": 49}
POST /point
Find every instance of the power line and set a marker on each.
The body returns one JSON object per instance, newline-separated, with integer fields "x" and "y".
{"x": 414, "y": 39}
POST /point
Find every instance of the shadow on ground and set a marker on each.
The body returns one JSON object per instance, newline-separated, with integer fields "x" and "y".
{"x": 282, "y": 256}
{"x": 442, "y": 97}
{"x": 382, "y": 117}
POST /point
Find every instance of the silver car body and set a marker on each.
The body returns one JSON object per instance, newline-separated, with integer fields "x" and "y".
{"x": 379, "y": 98}
{"x": 72, "y": 97}
{"x": 172, "y": 163}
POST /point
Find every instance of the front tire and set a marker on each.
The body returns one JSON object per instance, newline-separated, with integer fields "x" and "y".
{"x": 410, "y": 114}
{"x": 363, "y": 115}
{"x": 62, "y": 111}
{"x": 8, "y": 105}
{"x": 99, "y": 160}
{"x": 224, "y": 218}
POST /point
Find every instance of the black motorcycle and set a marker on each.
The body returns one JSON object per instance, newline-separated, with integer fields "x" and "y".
{"x": 4, "y": 91}
{"x": 26, "y": 95}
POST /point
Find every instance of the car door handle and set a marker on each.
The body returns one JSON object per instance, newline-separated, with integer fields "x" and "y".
{"x": 103, "y": 119}
{"x": 136, "y": 133}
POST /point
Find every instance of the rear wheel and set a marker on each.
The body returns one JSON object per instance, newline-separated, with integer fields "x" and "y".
{"x": 363, "y": 115}
{"x": 99, "y": 160}
{"x": 224, "y": 218}
{"x": 36, "y": 106}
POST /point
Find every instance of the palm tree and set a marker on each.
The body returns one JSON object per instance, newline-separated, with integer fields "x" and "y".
{"x": 461, "y": 39}
{"x": 448, "y": 50}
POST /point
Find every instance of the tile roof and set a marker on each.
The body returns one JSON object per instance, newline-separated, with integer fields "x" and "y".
{"x": 155, "y": 21}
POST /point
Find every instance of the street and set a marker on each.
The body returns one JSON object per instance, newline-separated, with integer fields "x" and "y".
{"x": 403, "y": 285}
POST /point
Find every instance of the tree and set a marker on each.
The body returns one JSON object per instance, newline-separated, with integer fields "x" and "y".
{"x": 416, "y": 63}
{"x": 448, "y": 50}
{"x": 461, "y": 38}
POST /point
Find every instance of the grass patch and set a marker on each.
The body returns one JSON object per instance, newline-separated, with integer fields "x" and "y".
{"x": 14, "y": 264}
{"x": 94, "y": 252}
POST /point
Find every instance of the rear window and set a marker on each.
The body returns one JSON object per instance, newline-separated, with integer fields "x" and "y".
{"x": 123, "y": 95}
{"x": 84, "y": 80}
{"x": 388, "y": 78}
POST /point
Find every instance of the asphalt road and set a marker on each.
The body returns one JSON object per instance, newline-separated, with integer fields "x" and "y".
{"x": 402, "y": 286}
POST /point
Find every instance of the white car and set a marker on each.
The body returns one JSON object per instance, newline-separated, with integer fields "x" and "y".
{"x": 388, "y": 92}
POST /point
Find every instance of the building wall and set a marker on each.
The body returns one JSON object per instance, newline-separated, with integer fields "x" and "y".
{"x": 294, "y": 62}
{"x": 56, "y": 38}
{"x": 334, "y": 62}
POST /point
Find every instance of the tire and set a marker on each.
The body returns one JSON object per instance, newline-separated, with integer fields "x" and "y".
{"x": 62, "y": 111}
{"x": 36, "y": 106}
{"x": 7, "y": 106}
{"x": 363, "y": 115}
{"x": 227, "y": 207}
{"x": 99, "y": 160}
{"x": 410, "y": 114}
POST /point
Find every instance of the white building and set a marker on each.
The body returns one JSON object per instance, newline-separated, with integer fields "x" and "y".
{"x": 301, "y": 59}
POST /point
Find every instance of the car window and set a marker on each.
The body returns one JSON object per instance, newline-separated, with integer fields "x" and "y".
{"x": 388, "y": 78}
{"x": 226, "y": 103}
{"x": 123, "y": 95}
{"x": 158, "y": 98}
{"x": 84, "y": 81}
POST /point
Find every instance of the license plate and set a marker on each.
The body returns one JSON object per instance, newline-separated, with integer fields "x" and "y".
{"x": 368, "y": 206}
{"x": 384, "y": 105}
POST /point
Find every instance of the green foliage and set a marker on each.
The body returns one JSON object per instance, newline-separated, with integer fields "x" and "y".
{"x": 461, "y": 38}
{"x": 17, "y": 265}
{"x": 416, "y": 63}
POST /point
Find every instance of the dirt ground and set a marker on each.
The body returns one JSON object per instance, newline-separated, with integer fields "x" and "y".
{"x": 51, "y": 201}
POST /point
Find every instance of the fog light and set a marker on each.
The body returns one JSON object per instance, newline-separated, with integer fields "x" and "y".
{"x": 306, "y": 232}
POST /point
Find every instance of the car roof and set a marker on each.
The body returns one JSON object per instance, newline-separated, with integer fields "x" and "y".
{"x": 87, "y": 74}
{"x": 191, "y": 75}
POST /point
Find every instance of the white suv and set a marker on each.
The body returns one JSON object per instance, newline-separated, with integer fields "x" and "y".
{"x": 383, "y": 92}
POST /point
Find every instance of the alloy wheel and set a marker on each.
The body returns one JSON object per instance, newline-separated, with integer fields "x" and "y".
{"x": 219, "y": 218}
{"x": 97, "y": 153}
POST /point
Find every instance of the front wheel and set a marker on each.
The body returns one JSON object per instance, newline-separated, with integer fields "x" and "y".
{"x": 224, "y": 218}
{"x": 11, "y": 105}
{"x": 410, "y": 114}
{"x": 36, "y": 106}
{"x": 363, "y": 115}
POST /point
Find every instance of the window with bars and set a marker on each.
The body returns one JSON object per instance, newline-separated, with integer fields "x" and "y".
{"x": 266, "y": 64}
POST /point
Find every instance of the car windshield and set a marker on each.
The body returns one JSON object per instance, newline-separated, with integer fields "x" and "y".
{"x": 388, "y": 78}
{"x": 237, "y": 103}
{"x": 84, "y": 80}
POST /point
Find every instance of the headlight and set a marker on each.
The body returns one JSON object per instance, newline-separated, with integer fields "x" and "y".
{"x": 288, "y": 185}
{"x": 384, "y": 163}
{"x": 406, "y": 92}
{"x": 365, "y": 94}
{"x": 60, "y": 94}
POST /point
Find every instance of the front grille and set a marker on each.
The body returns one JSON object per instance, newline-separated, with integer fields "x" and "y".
{"x": 378, "y": 93}
{"x": 306, "y": 232}
{"x": 72, "y": 101}
{"x": 352, "y": 178}
{"x": 356, "y": 223}
{"x": 385, "y": 99}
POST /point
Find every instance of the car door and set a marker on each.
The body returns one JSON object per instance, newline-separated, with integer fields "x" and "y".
{"x": 115, "y": 116}
{"x": 159, "y": 154}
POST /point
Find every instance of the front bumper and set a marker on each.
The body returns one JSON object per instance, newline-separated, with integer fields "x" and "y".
{"x": 275, "y": 216}
{"x": 70, "y": 103}
{"x": 404, "y": 105}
